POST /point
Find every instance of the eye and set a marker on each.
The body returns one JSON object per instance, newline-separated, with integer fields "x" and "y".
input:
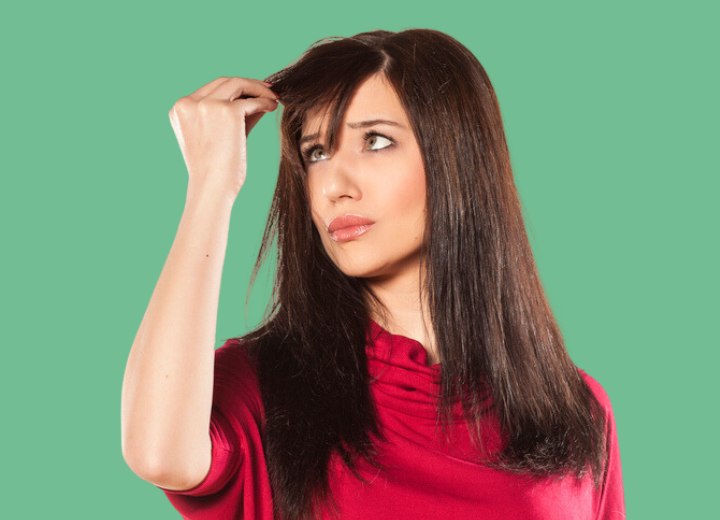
{"x": 371, "y": 136}
{"x": 308, "y": 153}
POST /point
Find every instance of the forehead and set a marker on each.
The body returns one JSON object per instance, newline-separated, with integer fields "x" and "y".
{"x": 373, "y": 99}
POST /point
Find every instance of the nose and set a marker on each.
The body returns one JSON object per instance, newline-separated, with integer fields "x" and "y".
{"x": 340, "y": 179}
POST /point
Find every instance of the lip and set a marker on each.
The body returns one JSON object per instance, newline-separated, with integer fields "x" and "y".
{"x": 349, "y": 227}
{"x": 349, "y": 220}
{"x": 349, "y": 233}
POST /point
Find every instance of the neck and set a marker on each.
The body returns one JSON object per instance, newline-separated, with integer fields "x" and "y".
{"x": 408, "y": 314}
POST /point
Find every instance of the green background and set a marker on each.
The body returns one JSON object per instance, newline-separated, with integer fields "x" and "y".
{"x": 612, "y": 120}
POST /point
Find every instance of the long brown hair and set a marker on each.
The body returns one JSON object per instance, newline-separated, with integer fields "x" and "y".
{"x": 491, "y": 319}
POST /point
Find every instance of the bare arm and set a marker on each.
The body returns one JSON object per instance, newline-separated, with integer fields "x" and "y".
{"x": 168, "y": 383}
{"x": 167, "y": 389}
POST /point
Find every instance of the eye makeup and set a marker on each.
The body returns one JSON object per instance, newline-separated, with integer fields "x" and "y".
{"x": 308, "y": 151}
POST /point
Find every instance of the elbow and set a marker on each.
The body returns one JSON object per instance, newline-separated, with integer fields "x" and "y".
{"x": 151, "y": 470}
{"x": 145, "y": 467}
{"x": 144, "y": 462}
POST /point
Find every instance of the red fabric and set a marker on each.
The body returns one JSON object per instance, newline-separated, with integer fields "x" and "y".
{"x": 426, "y": 477}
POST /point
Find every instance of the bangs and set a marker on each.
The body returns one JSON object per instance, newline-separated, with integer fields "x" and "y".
{"x": 320, "y": 82}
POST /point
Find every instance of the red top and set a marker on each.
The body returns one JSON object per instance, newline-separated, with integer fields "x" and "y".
{"x": 426, "y": 478}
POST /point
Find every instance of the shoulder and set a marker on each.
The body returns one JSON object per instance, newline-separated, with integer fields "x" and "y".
{"x": 610, "y": 501}
{"x": 235, "y": 375}
{"x": 598, "y": 391}
{"x": 234, "y": 353}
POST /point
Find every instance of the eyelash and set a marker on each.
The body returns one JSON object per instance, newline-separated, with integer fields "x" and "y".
{"x": 307, "y": 153}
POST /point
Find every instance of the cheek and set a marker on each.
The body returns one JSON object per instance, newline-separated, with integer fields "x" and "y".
{"x": 313, "y": 202}
{"x": 405, "y": 189}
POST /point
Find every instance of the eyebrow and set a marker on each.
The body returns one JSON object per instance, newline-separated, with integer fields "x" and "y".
{"x": 359, "y": 124}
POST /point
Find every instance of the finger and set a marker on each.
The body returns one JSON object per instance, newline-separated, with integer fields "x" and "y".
{"x": 251, "y": 120}
{"x": 252, "y": 110}
{"x": 208, "y": 87}
{"x": 241, "y": 87}
{"x": 253, "y": 105}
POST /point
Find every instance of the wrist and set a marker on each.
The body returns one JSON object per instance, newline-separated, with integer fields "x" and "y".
{"x": 197, "y": 194}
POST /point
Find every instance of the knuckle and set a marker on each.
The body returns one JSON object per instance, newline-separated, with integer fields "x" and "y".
{"x": 241, "y": 105}
{"x": 211, "y": 105}
{"x": 182, "y": 104}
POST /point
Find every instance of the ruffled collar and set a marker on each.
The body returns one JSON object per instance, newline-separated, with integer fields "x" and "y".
{"x": 402, "y": 382}
{"x": 400, "y": 376}
{"x": 400, "y": 349}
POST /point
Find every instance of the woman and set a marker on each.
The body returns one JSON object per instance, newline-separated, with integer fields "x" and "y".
{"x": 410, "y": 365}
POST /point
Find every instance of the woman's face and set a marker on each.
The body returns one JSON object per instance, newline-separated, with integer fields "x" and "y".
{"x": 378, "y": 177}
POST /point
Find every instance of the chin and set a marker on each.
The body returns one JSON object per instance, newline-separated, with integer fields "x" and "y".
{"x": 359, "y": 271}
{"x": 371, "y": 263}
{"x": 370, "y": 267}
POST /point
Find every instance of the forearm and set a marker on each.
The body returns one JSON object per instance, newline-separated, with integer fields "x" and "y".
{"x": 168, "y": 383}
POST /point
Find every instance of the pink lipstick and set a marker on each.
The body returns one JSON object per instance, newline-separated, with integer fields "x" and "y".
{"x": 349, "y": 227}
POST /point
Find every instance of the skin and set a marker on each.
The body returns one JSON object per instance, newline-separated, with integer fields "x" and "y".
{"x": 383, "y": 179}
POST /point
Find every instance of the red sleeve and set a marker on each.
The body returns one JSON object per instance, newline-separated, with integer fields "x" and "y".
{"x": 234, "y": 426}
{"x": 226, "y": 458}
{"x": 611, "y": 501}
